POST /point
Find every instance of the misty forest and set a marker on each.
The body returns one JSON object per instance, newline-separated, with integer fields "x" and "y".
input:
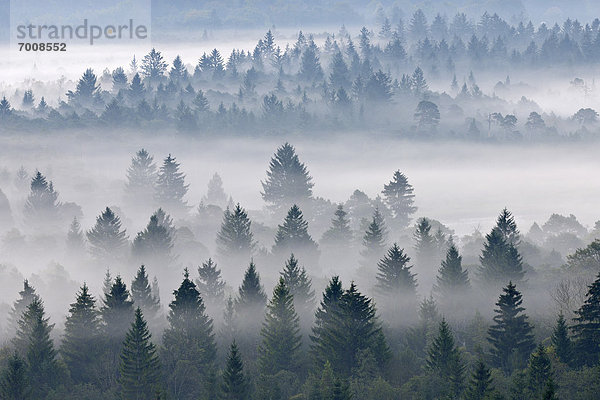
{"x": 323, "y": 216}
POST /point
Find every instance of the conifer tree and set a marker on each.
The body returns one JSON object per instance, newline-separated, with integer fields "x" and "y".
{"x": 117, "y": 311}
{"x": 107, "y": 240}
{"x": 235, "y": 383}
{"x": 107, "y": 282}
{"x": 142, "y": 296}
{"x": 443, "y": 359}
{"x": 75, "y": 239}
{"x": 538, "y": 372}
{"x": 80, "y": 346}
{"x": 511, "y": 335}
{"x": 340, "y": 233}
{"x": 399, "y": 197}
{"x": 42, "y": 206}
{"x": 425, "y": 247}
{"x": 281, "y": 339}
{"x": 508, "y": 227}
{"x": 251, "y": 293}
{"x": 211, "y": 286}
{"x": 549, "y": 391}
{"x": 229, "y": 327}
{"x": 480, "y": 386}
{"x": 299, "y": 285}
{"x": 215, "y": 194}
{"x": 153, "y": 245}
{"x": 452, "y": 279}
{"x": 26, "y": 296}
{"x": 288, "y": 181}
{"x": 500, "y": 260}
{"x": 235, "y": 240}
{"x": 170, "y": 187}
{"x": 586, "y": 329}
{"x": 292, "y": 235}
{"x": 14, "y": 383}
{"x": 561, "y": 341}
{"x": 325, "y": 321}
{"x": 141, "y": 177}
{"x": 140, "y": 367}
{"x": 189, "y": 343}
{"x": 394, "y": 277}
{"x": 374, "y": 240}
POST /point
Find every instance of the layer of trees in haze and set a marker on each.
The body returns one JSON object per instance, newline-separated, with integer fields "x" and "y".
{"x": 308, "y": 299}
{"x": 446, "y": 77}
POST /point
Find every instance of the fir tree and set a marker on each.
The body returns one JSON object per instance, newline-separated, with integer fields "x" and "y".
{"x": 107, "y": 282}
{"x": 42, "y": 206}
{"x": 288, "y": 180}
{"x": 140, "y": 367}
{"x": 141, "y": 177}
{"x": 452, "y": 279}
{"x": 292, "y": 235}
{"x": 586, "y": 329}
{"x": 444, "y": 359}
{"x": 425, "y": 246}
{"x": 281, "y": 339}
{"x": 538, "y": 372}
{"x": 75, "y": 239}
{"x": 399, "y": 197}
{"x": 299, "y": 285}
{"x": 142, "y": 296}
{"x": 14, "y": 382}
{"x": 340, "y": 233}
{"x": 170, "y": 187}
{"x": 325, "y": 321}
{"x": 508, "y": 227}
{"x": 394, "y": 277}
{"x": 235, "y": 383}
{"x": 153, "y": 245}
{"x": 210, "y": 285}
{"x": 339, "y": 76}
{"x": 215, "y": 194}
{"x": 26, "y": 297}
{"x": 374, "y": 240}
{"x": 107, "y": 240}
{"x": 235, "y": 240}
{"x": 500, "y": 260}
{"x": 561, "y": 341}
{"x": 189, "y": 343}
{"x": 480, "y": 386}
{"x": 80, "y": 347}
{"x": 117, "y": 311}
{"x": 511, "y": 335}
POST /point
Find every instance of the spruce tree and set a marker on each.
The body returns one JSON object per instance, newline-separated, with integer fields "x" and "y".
{"x": 235, "y": 240}
{"x": 480, "y": 386}
{"x": 444, "y": 360}
{"x": 215, "y": 194}
{"x": 189, "y": 343}
{"x": 538, "y": 372}
{"x": 425, "y": 246}
{"x": 325, "y": 322}
{"x": 80, "y": 346}
{"x": 452, "y": 279}
{"x": 292, "y": 235}
{"x": 140, "y": 367}
{"x": 586, "y": 329}
{"x": 500, "y": 260}
{"x": 374, "y": 240}
{"x": 211, "y": 286}
{"x": 141, "y": 177}
{"x": 154, "y": 244}
{"x": 170, "y": 187}
{"x": 235, "y": 383}
{"x": 142, "y": 296}
{"x": 14, "y": 382}
{"x": 288, "y": 181}
{"x": 106, "y": 282}
{"x": 107, "y": 240}
{"x": 399, "y": 197}
{"x": 249, "y": 303}
{"x": 508, "y": 227}
{"x": 117, "y": 311}
{"x": 281, "y": 339}
{"x": 340, "y": 233}
{"x": 394, "y": 277}
{"x": 251, "y": 293}
{"x": 511, "y": 335}
{"x": 26, "y": 297}
{"x": 75, "y": 240}
{"x": 299, "y": 285}
{"x": 561, "y": 341}
{"x": 42, "y": 209}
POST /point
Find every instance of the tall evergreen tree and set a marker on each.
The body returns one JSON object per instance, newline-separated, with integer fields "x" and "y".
{"x": 394, "y": 277}
{"x": 235, "y": 240}
{"x": 480, "y": 386}
{"x": 281, "y": 339}
{"x": 140, "y": 367}
{"x": 563, "y": 346}
{"x": 235, "y": 383}
{"x": 142, "y": 296}
{"x": 26, "y": 296}
{"x": 14, "y": 382}
{"x": 81, "y": 346}
{"x": 452, "y": 279}
{"x": 117, "y": 310}
{"x": 443, "y": 359}
{"x": 141, "y": 177}
{"x": 75, "y": 240}
{"x": 107, "y": 240}
{"x": 189, "y": 343}
{"x": 340, "y": 233}
{"x": 508, "y": 227}
{"x": 215, "y": 194}
{"x": 399, "y": 197}
{"x": 251, "y": 293}
{"x": 211, "y": 286}
{"x": 586, "y": 327}
{"x": 425, "y": 246}
{"x": 538, "y": 372}
{"x": 299, "y": 285}
{"x": 154, "y": 244}
{"x": 170, "y": 187}
{"x": 511, "y": 335}
{"x": 374, "y": 240}
{"x": 292, "y": 235}
{"x": 500, "y": 260}
{"x": 42, "y": 209}
{"x": 288, "y": 181}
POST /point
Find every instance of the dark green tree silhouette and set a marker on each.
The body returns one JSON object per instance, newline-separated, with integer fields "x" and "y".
{"x": 142, "y": 296}
{"x": 480, "y": 386}
{"x": 235, "y": 240}
{"x": 210, "y": 285}
{"x": 153, "y": 245}
{"x": 538, "y": 372}
{"x": 292, "y": 235}
{"x": 299, "y": 285}
{"x": 394, "y": 277}
{"x": 399, "y": 197}
{"x": 107, "y": 240}
{"x": 586, "y": 327}
{"x": 235, "y": 383}
{"x": 500, "y": 260}
{"x": 563, "y": 346}
{"x": 507, "y": 225}
{"x": 452, "y": 279}
{"x": 26, "y": 296}
{"x": 117, "y": 310}
{"x": 14, "y": 382}
{"x": 444, "y": 360}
